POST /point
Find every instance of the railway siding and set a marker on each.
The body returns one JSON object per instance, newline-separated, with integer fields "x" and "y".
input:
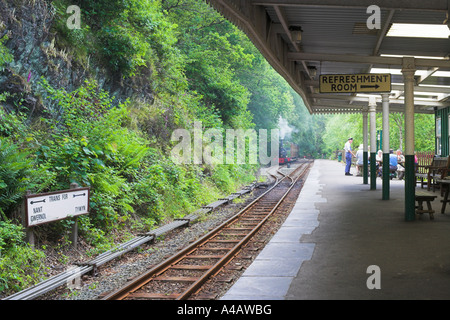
{"x": 91, "y": 266}
{"x": 183, "y": 274}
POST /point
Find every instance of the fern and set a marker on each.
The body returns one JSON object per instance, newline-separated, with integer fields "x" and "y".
{"x": 15, "y": 166}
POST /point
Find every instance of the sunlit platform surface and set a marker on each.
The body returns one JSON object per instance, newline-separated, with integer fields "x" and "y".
{"x": 342, "y": 241}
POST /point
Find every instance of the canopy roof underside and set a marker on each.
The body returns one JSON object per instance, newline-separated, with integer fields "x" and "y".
{"x": 336, "y": 39}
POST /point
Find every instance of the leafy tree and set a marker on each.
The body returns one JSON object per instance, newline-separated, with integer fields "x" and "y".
{"x": 340, "y": 127}
{"x": 213, "y": 54}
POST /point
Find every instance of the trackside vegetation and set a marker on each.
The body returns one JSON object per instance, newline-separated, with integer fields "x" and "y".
{"x": 97, "y": 106}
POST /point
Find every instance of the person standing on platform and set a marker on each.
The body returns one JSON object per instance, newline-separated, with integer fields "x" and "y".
{"x": 348, "y": 156}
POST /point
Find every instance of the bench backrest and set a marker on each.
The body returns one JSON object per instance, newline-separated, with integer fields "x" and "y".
{"x": 446, "y": 170}
{"x": 439, "y": 162}
{"x": 440, "y": 166}
{"x": 424, "y": 160}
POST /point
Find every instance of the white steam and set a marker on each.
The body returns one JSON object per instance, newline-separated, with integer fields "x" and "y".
{"x": 285, "y": 129}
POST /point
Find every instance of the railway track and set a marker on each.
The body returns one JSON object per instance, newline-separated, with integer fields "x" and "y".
{"x": 183, "y": 274}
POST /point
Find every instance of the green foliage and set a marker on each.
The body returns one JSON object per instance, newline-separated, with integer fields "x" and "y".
{"x": 340, "y": 127}
{"x": 89, "y": 143}
{"x": 123, "y": 50}
{"x": 197, "y": 66}
{"x": 12, "y": 125}
{"x": 5, "y": 56}
{"x": 424, "y": 132}
{"x": 124, "y": 35}
{"x": 10, "y": 236}
{"x": 15, "y": 168}
{"x": 225, "y": 176}
{"x": 20, "y": 265}
{"x": 89, "y": 146}
{"x": 211, "y": 74}
{"x": 214, "y": 55}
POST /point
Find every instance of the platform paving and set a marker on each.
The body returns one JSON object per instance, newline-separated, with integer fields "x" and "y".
{"x": 337, "y": 230}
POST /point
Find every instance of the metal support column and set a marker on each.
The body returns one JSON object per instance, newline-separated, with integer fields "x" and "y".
{"x": 408, "y": 71}
{"x": 366, "y": 147}
{"x": 386, "y": 171}
{"x": 373, "y": 143}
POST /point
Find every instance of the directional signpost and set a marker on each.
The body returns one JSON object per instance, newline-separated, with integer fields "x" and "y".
{"x": 48, "y": 207}
{"x": 355, "y": 83}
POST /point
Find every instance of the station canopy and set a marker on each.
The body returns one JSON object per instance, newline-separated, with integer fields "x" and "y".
{"x": 337, "y": 53}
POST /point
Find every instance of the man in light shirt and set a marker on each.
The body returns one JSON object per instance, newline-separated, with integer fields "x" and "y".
{"x": 359, "y": 160}
{"x": 348, "y": 156}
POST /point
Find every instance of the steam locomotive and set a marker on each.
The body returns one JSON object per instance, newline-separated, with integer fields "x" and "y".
{"x": 283, "y": 155}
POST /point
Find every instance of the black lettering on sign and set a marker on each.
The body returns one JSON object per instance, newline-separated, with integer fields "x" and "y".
{"x": 343, "y": 87}
{"x": 37, "y": 210}
{"x": 38, "y": 217}
{"x": 80, "y": 208}
{"x": 54, "y": 198}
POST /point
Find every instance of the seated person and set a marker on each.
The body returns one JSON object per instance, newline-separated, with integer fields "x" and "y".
{"x": 393, "y": 162}
{"x": 379, "y": 158}
{"x": 359, "y": 160}
{"x": 400, "y": 166}
{"x": 416, "y": 162}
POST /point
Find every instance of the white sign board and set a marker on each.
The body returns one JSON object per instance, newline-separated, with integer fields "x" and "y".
{"x": 47, "y": 207}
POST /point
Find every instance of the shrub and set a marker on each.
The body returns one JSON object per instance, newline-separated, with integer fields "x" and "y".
{"x": 5, "y": 56}
{"x": 88, "y": 145}
{"x": 20, "y": 265}
{"x": 15, "y": 171}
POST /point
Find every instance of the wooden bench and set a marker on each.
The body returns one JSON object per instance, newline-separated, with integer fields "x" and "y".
{"x": 422, "y": 197}
{"x": 423, "y": 160}
{"x": 445, "y": 184}
{"x": 436, "y": 170}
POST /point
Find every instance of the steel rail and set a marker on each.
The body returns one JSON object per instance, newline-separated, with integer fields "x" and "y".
{"x": 92, "y": 265}
{"x": 235, "y": 250}
{"x": 148, "y": 276}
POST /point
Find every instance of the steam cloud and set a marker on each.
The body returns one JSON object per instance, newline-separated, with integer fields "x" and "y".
{"x": 285, "y": 129}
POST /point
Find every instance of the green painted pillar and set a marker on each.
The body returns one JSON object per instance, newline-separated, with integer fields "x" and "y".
{"x": 366, "y": 147}
{"x": 373, "y": 171}
{"x": 373, "y": 142}
{"x": 408, "y": 71}
{"x": 366, "y": 167}
{"x": 410, "y": 188}
{"x": 386, "y": 178}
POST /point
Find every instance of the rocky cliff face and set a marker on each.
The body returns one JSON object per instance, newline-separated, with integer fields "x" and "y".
{"x": 38, "y": 52}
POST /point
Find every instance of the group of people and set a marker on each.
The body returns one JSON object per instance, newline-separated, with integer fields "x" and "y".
{"x": 395, "y": 160}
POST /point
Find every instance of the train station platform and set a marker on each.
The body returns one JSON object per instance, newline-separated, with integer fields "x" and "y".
{"x": 342, "y": 241}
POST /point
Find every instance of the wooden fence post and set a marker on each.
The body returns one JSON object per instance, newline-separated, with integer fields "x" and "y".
{"x": 29, "y": 233}
{"x": 74, "y": 234}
